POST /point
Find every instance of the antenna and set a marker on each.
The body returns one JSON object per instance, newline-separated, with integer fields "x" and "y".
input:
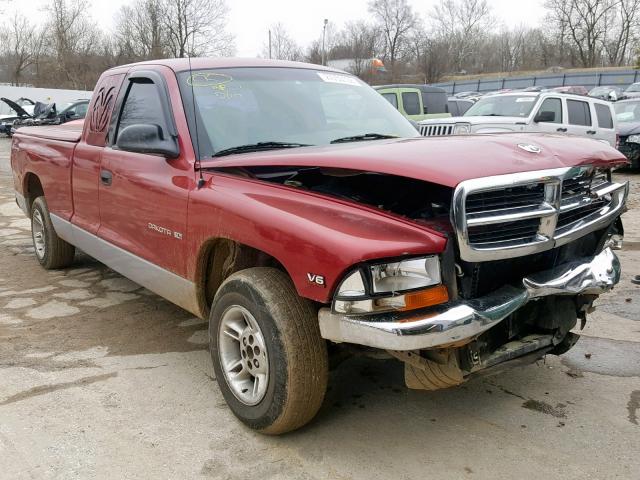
{"x": 198, "y": 162}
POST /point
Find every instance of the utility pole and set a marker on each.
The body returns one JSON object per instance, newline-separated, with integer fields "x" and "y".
{"x": 324, "y": 32}
{"x": 270, "y": 44}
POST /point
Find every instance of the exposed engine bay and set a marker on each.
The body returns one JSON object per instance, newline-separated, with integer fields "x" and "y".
{"x": 403, "y": 196}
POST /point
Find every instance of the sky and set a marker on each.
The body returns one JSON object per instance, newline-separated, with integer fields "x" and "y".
{"x": 249, "y": 20}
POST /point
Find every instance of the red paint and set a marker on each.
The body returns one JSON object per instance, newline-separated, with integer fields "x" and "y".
{"x": 305, "y": 232}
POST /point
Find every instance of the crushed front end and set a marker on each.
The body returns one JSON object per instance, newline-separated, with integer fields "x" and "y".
{"x": 528, "y": 256}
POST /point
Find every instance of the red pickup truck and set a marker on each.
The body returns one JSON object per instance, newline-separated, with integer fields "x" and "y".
{"x": 298, "y": 211}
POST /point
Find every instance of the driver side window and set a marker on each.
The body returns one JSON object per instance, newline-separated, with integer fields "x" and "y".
{"x": 553, "y": 105}
{"x": 141, "y": 106}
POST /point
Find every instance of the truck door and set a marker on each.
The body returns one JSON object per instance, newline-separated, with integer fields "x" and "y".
{"x": 86, "y": 157}
{"x": 143, "y": 196}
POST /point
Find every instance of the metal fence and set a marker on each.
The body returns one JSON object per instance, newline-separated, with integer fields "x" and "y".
{"x": 621, "y": 78}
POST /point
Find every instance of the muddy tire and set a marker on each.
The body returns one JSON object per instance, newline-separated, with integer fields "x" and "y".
{"x": 269, "y": 358}
{"x": 51, "y": 251}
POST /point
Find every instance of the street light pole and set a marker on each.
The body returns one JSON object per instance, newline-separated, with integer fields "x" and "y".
{"x": 324, "y": 32}
{"x": 270, "y": 44}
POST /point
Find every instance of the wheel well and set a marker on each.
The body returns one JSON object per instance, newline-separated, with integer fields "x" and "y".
{"x": 32, "y": 189}
{"x": 218, "y": 259}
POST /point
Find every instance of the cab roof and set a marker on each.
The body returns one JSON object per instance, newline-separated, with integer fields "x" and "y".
{"x": 183, "y": 64}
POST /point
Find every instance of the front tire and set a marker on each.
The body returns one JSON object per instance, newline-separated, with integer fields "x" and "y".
{"x": 51, "y": 251}
{"x": 269, "y": 358}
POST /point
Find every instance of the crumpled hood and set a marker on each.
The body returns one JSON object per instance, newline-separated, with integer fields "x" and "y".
{"x": 475, "y": 120}
{"x": 628, "y": 128}
{"x": 16, "y": 108}
{"x": 442, "y": 160}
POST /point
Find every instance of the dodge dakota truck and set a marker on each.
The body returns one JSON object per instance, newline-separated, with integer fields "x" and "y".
{"x": 304, "y": 216}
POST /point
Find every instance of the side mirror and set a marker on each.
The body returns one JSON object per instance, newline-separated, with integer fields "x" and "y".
{"x": 147, "y": 138}
{"x": 69, "y": 114}
{"x": 545, "y": 117}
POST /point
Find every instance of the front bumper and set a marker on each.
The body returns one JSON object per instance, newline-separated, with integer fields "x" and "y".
{"x": 463, "y": 320}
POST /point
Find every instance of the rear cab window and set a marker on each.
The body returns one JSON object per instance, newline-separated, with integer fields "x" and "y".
{"x": 579, "y": 113}
{"x": 411, "y": 103}
{"x": 603, "y": 113}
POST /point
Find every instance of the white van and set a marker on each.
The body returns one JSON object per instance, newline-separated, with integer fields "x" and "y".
{"x": 531, "y": 112}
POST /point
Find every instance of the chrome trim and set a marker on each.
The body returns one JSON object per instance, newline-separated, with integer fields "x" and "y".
{"x": 464, "y": 320}
{"x": 22, "y": 203}
{"x": 174, "y": 288}
{"x": 549, "y": 235}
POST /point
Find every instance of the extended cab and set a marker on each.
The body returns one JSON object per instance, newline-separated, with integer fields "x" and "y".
{"x": 297, "y": 210}
{"x": 546, "y": 112}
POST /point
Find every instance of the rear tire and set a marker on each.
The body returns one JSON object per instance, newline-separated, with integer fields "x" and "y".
{"x": 260, "y": 330}
{"x": 51, "y": 251}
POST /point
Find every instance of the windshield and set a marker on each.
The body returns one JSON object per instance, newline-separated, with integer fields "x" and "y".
{"x": 244, "y": 106}
{"x": 502, "y": 106}
{"x": 635, "y": 87}
{"x": 627, "y": 111}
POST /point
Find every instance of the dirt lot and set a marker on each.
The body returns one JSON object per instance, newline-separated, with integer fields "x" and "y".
{"x": 99, "y": 378}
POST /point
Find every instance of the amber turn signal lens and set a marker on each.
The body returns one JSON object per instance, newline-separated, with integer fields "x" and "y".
{"x": 426, "y": 298}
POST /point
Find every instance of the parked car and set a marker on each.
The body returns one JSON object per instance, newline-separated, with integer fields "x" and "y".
{"x": 632, "y": 91}
{"x": 416, "y": 102}
{"x": 605, "y": 92}
{"x": 458, "y": 106}
{"x": 16, "y": 110}
{"x": 73, "y": 111}
{"x": 628, "y": 116}
{"x": 467, "y": 94}
{"x": 574, "y": 89}
{"x": 547, "y": 112}
{"x": 535, "y": 88}
{"x": 47, "y": 114}
{"x": 303, "y": 228}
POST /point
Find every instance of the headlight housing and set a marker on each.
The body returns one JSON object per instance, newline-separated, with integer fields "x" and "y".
{"x": 633, "y": 139}
{"x": 462, "y": 129}
{"x": 400, "y": 285}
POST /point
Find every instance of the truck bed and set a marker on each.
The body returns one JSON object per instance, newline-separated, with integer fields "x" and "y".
{"x": 68, "y": 132}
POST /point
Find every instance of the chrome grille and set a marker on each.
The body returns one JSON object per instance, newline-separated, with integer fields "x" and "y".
{"x": 510, "y": 197}
{"x": 520, "y": 214}
{"x": 436, "y": 130}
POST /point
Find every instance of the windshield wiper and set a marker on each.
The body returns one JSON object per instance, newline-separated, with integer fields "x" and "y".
{"x": 257, "y": 147}
{"x": 363, "y": 137}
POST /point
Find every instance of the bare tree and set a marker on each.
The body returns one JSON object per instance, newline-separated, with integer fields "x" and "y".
{"x": 359, "y": 42}
{"x": 20, "y": 44}
{"x": 196, "y": 27}
{"x": 74, "y": 40}
{"x": 583, "y": 23}
{"x": 621, "y": 31}
{"x": 139, "y": 30}
{"x": 283, "y": 47}
{"x": 464, "y": 24}
{"x": 396, "y": 20}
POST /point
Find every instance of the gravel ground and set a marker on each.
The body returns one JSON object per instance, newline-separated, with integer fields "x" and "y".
{"x": 99, "y": 378}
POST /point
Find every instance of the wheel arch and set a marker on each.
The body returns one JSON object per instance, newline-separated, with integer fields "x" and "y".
{"x": 31, "y": 188}
{"x": 218, "y": 258}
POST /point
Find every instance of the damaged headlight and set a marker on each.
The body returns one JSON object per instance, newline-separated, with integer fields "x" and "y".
{"x": 633, "y": 139}
{"x": 402, "y": 285}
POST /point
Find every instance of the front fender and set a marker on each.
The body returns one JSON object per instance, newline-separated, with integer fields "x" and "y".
{"x": 309, "y": 234}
